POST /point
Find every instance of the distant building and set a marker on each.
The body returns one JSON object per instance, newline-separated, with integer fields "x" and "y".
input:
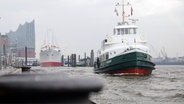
{"x": 3, "y": 49}
{"x": 3, "y": 44}
{"x": 23, "y": 37}
{"x": 169, "y": 61}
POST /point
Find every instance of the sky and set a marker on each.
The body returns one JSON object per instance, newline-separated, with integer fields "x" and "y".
{"x": 80, "y": 25}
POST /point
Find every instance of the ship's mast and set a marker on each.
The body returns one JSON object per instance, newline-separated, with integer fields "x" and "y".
{"x": 123, "y": 16}
{"x": 123, "y": 12}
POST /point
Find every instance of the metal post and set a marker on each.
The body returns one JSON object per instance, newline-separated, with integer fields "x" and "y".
{"x": 68, "y": 61}
{"x": 79, "y": 58}
{"x": 0, "y": 63}
{"x": 4, "y": 56}
{"x": 85, "y": 59}
{"x": 25, "y": 56}
{"x": 74, "y": 60}
{"x": 92, "y": 58}
{"x": 62, "y": 59}
{"x": 71, "y": 60}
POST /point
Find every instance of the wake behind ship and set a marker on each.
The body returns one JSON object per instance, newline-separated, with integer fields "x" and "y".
{"x": 50, "y": 56}
{"x": 124, "y": 52}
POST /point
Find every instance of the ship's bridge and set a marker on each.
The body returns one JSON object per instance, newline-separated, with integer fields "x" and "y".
{"x": 125, "y": 29}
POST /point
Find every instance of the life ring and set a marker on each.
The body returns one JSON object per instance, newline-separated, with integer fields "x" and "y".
{"x": 142, "y": 37}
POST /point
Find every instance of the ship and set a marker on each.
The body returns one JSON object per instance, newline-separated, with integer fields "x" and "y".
{"x": 50, "y": 56}
{"x": 125, "y": 52}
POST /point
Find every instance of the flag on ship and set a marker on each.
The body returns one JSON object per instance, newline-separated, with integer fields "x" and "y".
{"x": 131, "y": 11}
{"x": 116, "y": 12}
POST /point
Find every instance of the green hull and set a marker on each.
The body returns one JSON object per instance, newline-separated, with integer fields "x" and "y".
{"x": 130, "y": 63}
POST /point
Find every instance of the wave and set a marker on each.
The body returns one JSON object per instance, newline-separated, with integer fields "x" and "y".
{"x": 177, "y": 95}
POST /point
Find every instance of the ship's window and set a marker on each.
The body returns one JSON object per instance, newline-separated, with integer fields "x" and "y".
{"x": 135, "y": 31}
{"x": 126, "y": 31}
{"x": 131, "y": 31}
{"x": 118, "y": 31}
{"x": 122, "y": 31}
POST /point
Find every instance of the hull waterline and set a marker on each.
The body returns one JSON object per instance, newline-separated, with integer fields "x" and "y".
{"x": 51, "y": 64}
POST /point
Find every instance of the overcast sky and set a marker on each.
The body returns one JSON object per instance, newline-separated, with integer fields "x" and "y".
{"x": 80, "y": 25}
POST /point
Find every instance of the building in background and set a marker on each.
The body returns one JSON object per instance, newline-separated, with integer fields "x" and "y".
{"x": 13, "y": 43}
{"x": 23, "y": 37}
{"x": 3, "y": 50}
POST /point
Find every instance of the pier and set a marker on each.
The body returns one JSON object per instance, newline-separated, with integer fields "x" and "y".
{"x": 73, "y": 61}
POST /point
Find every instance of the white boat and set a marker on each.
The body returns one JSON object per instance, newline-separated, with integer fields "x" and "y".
{"x": 50, "y": 56}
{"x": 124, "y": 52}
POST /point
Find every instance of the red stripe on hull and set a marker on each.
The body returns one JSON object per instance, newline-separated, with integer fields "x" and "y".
{"x": 51, "y": 64}
{"x": 135, "y": 71}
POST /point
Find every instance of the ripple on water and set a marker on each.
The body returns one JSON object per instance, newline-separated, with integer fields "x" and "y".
{"x": 164, "y": 86}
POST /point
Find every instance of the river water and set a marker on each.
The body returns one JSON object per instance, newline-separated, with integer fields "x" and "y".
{"x": 164, "y": 86}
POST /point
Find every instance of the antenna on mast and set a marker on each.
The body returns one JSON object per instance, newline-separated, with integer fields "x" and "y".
{"x": 123, "y": 10}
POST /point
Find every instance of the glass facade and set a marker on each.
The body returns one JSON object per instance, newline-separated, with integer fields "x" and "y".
{"x": 23, "y": 37}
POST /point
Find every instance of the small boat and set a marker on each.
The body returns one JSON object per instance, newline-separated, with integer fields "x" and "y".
{"x": 125, "y": 52}
{"x": 50, "y": 56}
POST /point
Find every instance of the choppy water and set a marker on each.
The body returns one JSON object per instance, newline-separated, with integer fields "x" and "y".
{"x": 164, "y": 86}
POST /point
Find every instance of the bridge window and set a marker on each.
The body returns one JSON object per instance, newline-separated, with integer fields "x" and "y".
{"x": 122, "y": 31}
{"x": 135, "y": 30}
{"x": 126, "y": 31}
{"x": 118, "y": 31}
{"x": 131, "y": 31}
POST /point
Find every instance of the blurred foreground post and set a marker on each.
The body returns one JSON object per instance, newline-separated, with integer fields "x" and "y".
{"x": 47, "y": 88}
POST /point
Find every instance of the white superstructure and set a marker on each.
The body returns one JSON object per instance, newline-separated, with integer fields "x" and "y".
{"x": 124, "y": 39}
